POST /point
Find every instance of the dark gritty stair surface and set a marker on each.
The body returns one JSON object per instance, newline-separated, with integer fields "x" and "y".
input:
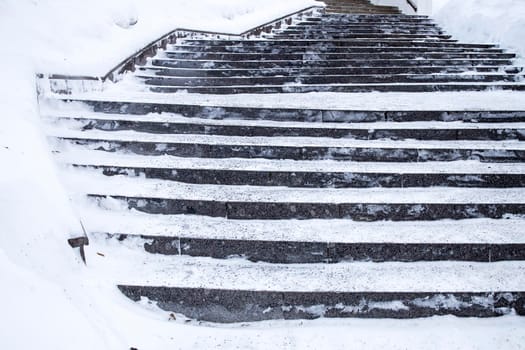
{"x": 229, "y": 306}
{"x": 368, "y": 52}
{"x": 290, "y": 252}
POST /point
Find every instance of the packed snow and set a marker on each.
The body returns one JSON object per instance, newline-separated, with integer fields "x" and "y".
{"x": 484, "y": 21}
{"x": 50, "y": 300}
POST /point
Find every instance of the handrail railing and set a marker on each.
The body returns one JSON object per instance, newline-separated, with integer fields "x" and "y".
{"x": 128, "y": 64}
{"x": 412, "y": 4}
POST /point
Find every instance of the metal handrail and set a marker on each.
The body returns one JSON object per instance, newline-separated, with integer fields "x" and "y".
{"x": 412, "y": 4}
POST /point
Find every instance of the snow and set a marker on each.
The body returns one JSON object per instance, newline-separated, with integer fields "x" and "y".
{"x": 78, "y": 119}
{"x": 81, "y": 156}
{"x": 128, "y": 264}
{"x": 50, "y": 300}
{"x": 484, "y": 21}
{"x": 111, "y": 215}
{"x": 281, "y": 141}
{"x": 425, "y": 101}
{"x": 93, "y": 182}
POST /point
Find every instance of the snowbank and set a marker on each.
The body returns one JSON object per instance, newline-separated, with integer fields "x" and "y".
{"x": 484, "y": 21}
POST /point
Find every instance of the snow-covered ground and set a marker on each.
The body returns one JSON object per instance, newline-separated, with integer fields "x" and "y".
{"x": 484, "y": 21}
{"x": 49, "y": 299}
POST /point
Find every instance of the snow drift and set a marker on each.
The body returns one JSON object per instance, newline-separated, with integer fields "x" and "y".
{"x": 484, "y": 21}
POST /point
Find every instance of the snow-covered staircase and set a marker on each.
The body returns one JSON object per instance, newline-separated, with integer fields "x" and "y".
{"x": 226, "y": 212}
{"x": 335, "y": 53}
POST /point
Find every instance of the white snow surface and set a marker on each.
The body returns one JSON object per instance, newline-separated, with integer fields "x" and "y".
{"x": 110, "y": 215}
{"x": 50, "y": 300}
{"x": 127, "y": 264}
{"x": 484, "y": 21}
{"x": 376, "y": 101}
{"x": 93, "y": 182}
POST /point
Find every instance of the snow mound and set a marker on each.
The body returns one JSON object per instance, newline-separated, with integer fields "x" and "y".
{"x": 484, "y": 21}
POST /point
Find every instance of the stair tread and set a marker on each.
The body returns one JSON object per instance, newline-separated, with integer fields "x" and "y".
{"x": 174, "y": 118}
{"x": 81, "y": 156}
{"x": 468, "y": 231}
{"x": 93, "y": 182}
{"x": 280, "y": 141}
{"x": 129, "y": 266}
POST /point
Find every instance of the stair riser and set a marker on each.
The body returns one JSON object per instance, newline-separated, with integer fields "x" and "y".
{"x": 324, "y": 252}
{"x": 223, "y": 306}
{"x": 377, "y": 10}
{"x": 325, "y": 63}
{"x": 310, "y": 24}
{"x": 359, "y": 134}
{"x": 306, "y": 115}
{"x": 330, "y": 45}
{"x": 306, "y": 153}
{"x": 387, "y": 32}
{"x": 334, "y": 88}
{"x": 282, "y": 50}
{"x": 306, "y": 26}
{"x": 346, "y": 16}
{"x": 218, "y": 73}
{"x": 363, "y": 11}
{"x": 354, "y": 11}
{"x": 307, "y": 211}
{"x": 326, "y": 43}
{"x": 369, "y": 20}
{"x": 317, "y": 179}
{"x": 341, "y": 79}
{"x": 304, "y": 36}
{"x": 342, "y": 56}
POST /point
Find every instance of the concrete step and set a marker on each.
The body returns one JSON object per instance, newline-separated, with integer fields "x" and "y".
{"x": 316, "y": 56}
{"x": 323, "y": 45}
{"x": 313, "y": 241}
{"x": 217, "y": 73}
{"x": 234, "y": 290}
{"x": 288, "y": 252}
{"x": 362, "y": 131}
{"x": 312, "y": 180}
{"x": 357, "y": 31}
{"x": 104, "y": 216}
{"x": 82, "y": 156}
{"x": 324, "y": 50}
{"x": 342, "y": 36}
{"x": 307, "y": 25}
{"x": 363, "y": 36}
{"x": 318, "y": 42}
{"x": 219, "y": 112}
{"x": 308, "y": 174}
{"x": 296, "y": 148}
{"x": 232, "y": 306}
{"x": 304, "y": 211}
{"x": 358, "y": 63}
{"x": 355, "y": 88}
{"x": 370, "y": 18}
{"x": 158, "y": 80}
{"x": 272, "y": 203}
{"x": 360, "y": 11}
